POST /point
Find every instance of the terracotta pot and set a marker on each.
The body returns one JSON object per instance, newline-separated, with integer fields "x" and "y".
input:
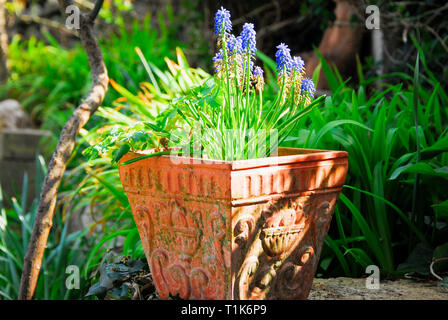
{"x": 250, "y": 229}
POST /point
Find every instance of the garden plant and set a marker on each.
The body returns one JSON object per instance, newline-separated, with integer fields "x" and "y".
{"x": 237, "y": 180}
{"x": 263, "y": 242}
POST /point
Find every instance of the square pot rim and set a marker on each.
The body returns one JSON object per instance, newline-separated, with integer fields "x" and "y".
{"x": 292, "y": 155}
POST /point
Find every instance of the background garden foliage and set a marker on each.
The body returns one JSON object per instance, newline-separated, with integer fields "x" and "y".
{"x": 393, "y": 211}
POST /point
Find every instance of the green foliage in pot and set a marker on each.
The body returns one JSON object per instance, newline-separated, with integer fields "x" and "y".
{"x": 224, "y": 117}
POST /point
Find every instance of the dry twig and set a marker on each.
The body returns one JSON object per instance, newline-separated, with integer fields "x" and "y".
{"x": 431, "y": 268}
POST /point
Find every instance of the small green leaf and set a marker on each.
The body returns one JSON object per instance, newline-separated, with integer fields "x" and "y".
{"x": 121, "y": 152}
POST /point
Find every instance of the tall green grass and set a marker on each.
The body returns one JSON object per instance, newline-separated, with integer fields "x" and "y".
{"x": 64, "y": 248}
{"x": 379, "y": 219}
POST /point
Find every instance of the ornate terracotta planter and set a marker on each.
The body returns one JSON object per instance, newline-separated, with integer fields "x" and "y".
{"x": 250, "y": 229}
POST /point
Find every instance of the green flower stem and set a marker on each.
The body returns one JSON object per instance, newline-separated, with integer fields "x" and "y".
{"x": 276, "y": 104}
{"x": 260, "y": 108}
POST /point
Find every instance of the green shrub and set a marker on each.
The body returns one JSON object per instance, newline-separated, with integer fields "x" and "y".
{"x": 64, "y": 249}
{"x": 50, "y": 80}
{"x": 384, "y": 211}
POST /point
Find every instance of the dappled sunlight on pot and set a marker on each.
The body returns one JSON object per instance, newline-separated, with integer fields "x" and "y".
{"x": 242, "y": 229}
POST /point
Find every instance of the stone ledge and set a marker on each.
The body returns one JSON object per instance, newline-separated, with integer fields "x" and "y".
{"x": 355, "y": 289}
{"x": 22, "y": 144}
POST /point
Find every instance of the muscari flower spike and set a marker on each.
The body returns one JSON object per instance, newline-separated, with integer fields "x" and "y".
{"x": 283, "y": 58}
{"x": 308, "y": 86}
{"x": 298, "y": 64}
{"x": 248, "y": 38}
{"x": 217, "y": 61}
{"x": 258, "y": 72}
{"x": 258, "y": 78}
{"x": 222, "y": 22}
{"x": 234, "y": 44}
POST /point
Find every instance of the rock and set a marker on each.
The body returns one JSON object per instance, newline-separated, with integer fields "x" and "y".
{"x": 355, "y": 289}
{"x": 12, "y": 115}
{"x": 18, "y": 149}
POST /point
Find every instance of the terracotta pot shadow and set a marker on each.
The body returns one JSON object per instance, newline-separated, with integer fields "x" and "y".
{"x": 248, "y": 229}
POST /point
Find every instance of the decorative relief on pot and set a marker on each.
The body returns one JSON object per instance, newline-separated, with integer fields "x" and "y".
{"x": 281, "y": 257}
{"x": 208, "y": 283}
{"x": 144, "y": 225}
{"x": 302, "y": 205}
{"x": 175, "y": 279}
{"x": 277, "y": 279}
{"x": 200, "y": 285}
{"x": 218, "y": 234}
{"x": 180, "y": 229}
{"x": 243, "y": 229}
{"x": 169, "y": 278}
{"x": 280, "y": 231}
{"x": 158, "y": 262}
{"x": 321, "y": 222}
{"x": 179, "y": 282}
{"x": 293, "y": 274}
{"x": 246, "y": 277}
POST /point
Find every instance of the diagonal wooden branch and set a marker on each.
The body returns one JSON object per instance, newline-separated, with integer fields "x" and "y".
{"x": 58, "y": 162}
{"x": 3, "y": 44}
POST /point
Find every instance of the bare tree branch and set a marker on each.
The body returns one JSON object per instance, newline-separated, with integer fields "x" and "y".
{"x": 58, "y": 162}
{"x": 3, "y": 44}
{"x": 45, "y": 22}
{"x": 96, "y": 9}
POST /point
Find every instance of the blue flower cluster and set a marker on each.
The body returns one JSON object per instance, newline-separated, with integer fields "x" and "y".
{"x": 298, "y": 64}
{"x": 222, "y": 22}
{"x": 236, "y": 56}
{"x": 217, "y": 60}
{"x": 248, "y": 38}
{"x": 283, "y": 58}
{"x": 234, "y": 50}
{"x": 285, "y": 63}
{"x": 235, "y": 44}
{"x": 258, "y": 72}
{"x": 308, "y": 85}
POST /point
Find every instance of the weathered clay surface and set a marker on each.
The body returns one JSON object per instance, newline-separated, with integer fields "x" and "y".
{"x": 248, "y": 229}
{"x": 355, "y": 289}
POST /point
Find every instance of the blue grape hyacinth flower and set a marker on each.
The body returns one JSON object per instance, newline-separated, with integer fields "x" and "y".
{"x": 222, "y": 22}
{"x": 298, "y": 64}
{"x": 217, "y": 57}
{"x": 283, "y": 58}
{"x": 234, "y": 45}
{"x": 217, "y": 61}
{"x": 257, "y": 75}
{"x": 248, "y": 38}
{"x": 257, "y": 72}
{"x": 308, "y": 86}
